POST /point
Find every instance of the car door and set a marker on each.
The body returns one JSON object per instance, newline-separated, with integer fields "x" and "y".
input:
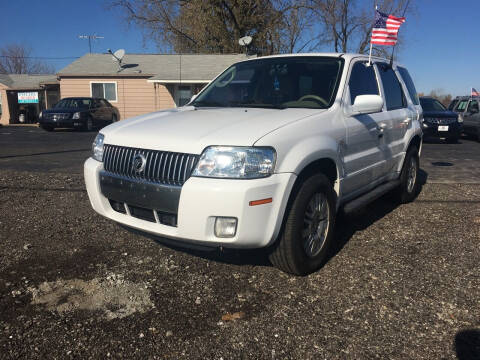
{"x": 471, "y": 117}
{"x": 365, "y": 150}
{"x": 399, "y": 114}
{"x": 107, "y": 112}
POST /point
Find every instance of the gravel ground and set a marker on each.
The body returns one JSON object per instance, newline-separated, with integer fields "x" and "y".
{"x": 403, "y": 282}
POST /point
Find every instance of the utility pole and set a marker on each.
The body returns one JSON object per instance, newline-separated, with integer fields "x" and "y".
{"x": 90, "y": 38}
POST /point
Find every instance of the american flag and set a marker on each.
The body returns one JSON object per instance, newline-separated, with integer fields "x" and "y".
{"x": 385, "y": 29}
{"x": 475, "y": 92}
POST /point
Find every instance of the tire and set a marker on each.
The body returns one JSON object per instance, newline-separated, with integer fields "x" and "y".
{"x": 88, "y": 124}
{"x": 409, "y": 186}
{"x": 47, "y": 128}
{"x": 289, "y": 253}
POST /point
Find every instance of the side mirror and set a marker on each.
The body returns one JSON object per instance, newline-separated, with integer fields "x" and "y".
{"x": 474, "y": 110}
{"x": 367, "y": 104}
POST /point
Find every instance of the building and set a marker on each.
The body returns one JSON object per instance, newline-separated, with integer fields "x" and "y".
{"x": 142, "y": 83}
{"x": 23, "y": 96}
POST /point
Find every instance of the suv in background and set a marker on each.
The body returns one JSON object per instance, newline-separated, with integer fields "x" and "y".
{"x": 265, "y": 156}
{"x": 467, "y": 108}
{"x": 438, "y": 121}
{"x": 78, "y": 113}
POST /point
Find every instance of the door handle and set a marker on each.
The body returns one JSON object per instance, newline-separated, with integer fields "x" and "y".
{"x": 381, "y": 129}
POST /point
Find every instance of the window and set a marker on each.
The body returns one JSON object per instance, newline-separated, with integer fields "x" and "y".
{"x": 105, "y": 103}
{"x": 362, "y": 81}
{"x": 473, "y": 106}
{"x": 410, "y": 85}
{"x": 462, "y": 105}
{"x": 107, "y": 90}
{"x": 285, "y": 82}
{"x": 0, "y": 104}
{"x": 184, "y": 95}
{"x": 429, "y": 104}
{"x": 394, "y": 97}
{"x": 452, "y": 105}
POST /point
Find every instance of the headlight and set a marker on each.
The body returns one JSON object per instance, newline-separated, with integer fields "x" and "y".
{"x": 76, "y": 116}
{"x": 97, "y": 147}
{"x": 236, "y": 162}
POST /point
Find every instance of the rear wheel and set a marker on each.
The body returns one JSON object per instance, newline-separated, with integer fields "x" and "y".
{"x": 303, "y": 243}
{"x": 408, "y": 189}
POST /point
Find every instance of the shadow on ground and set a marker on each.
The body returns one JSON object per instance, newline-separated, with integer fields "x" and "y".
{"x": 346, "y": 226}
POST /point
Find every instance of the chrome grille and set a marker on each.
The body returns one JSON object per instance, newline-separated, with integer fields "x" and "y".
{"x": 57, "y": 116}
{"x": 441, "y": 121}
{"x": 161, "y": 166}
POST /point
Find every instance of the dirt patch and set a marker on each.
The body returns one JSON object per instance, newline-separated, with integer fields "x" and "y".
{"x": 112, "y": 295}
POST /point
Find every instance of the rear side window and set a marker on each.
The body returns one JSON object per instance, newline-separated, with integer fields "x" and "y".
{"x": 362, "y": 81}
{"x": 409, "y": 83}
{"x": 452, "y": 105}
{"x": 462, "y": 105}
{"x": 394, "y": 97}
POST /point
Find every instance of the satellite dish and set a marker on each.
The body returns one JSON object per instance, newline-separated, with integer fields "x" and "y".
{"x": 245, "y": 41}
{"x": 119, "y": 54}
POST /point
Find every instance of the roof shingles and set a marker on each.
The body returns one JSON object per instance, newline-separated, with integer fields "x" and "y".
{"x": 157, "y": 66}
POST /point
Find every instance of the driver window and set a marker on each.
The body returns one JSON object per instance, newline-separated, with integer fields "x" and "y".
{"x": 362, "y": 81}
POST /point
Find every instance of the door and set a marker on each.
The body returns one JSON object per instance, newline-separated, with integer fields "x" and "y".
{"x": 399, "y": 114}
{"x": 471, "y": 118}
{"x": 365, "y": 152}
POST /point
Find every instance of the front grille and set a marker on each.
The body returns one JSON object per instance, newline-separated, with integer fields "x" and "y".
{"x": 161, "y": 167}
{"x": 56, "y": 116}
{"x": 441, "y": 121}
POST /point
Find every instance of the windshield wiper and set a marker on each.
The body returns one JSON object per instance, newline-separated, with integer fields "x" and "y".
{"x": 209, "y": 104}
{"x": 266, "y": 106}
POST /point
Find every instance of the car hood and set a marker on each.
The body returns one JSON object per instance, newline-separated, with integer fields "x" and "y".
{"x": 439, "y": 114}
{"x": 190, "y": 130}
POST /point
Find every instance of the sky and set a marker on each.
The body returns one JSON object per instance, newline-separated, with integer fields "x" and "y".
{"x": 441, "y": 39}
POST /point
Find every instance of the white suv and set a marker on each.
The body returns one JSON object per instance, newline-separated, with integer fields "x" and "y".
{"x": 264, "y": 156}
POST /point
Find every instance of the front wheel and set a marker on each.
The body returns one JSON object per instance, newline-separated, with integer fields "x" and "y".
{"x": 88, "y": 124}
{"x": 409, "y": 186}
{"x": 307, "y": 232}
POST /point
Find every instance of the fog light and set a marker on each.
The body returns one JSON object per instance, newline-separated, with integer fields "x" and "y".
{"x": 225, "y": 227}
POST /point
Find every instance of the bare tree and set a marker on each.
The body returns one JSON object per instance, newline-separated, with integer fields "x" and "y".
{"x": 347, "y": 24}
{"x": 16, "y": 59}
{"x": 214, "y": 26}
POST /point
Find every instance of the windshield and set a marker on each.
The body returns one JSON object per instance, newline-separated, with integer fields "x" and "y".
{"x": 431, "y": 105}
{"x": 73, "y": 103}
{"x": 462, "y": 105}
{"x": 285, "y": 82}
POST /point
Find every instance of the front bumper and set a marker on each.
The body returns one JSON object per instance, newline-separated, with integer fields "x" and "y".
{"x": 67, "y": 123}
{"x": 201, "y": 201}
{"x": 431, "y": 129}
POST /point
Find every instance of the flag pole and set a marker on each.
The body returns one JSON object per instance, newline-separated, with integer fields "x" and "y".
{"x": 393, "y": 48}
{"x": 370, "y": 56}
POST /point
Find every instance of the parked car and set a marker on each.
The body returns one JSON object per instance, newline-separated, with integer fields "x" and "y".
{"x": 467, "y": 108}
{"x": 264, "y": 156}
{"x": 78, "y": 113}
{"x": 438, "y": 121}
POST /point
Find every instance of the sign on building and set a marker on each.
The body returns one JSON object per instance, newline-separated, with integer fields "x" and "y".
{"x": 28, "y": 97}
